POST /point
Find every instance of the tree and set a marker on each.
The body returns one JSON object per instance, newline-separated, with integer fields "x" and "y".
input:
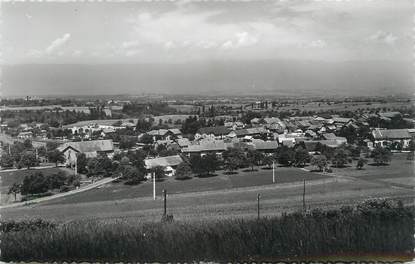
{"x": 237, "y": 154}
{"x": 158, "y": 172}
{"x": 146, "y": 139}
{"x": 6, "y": 161}
{"x": 204, "y": 165}
{"x": 285, "y": 155}
{"x": 15, "y": 189}
{"x": 360, "y": 163}
{"x": 81, "y": 162}
{"x": 51, "y": 145}
{"x": 320, "y": 161}
{"x": 254, "y": 157}
{"x": 183, "y": 171}
{"x": 301, "y": 157}
{"x": 131, "y": 174}
{"x": 28, "y": 159}
{"x": 56, "y": 157}
{"x": 381, "y": 155}
{"x": 143, "y": 126}
{"x": 28, "y": 144}
{"x": 341, "y": 157}
{"x": 231, "y": 164}
{"x": 127, "y": 142}
{"x": 268, "y": 160}
{"x": 34, "y": 183}
{"x": 57, "y": 180}
{"x": 210, "y": 163}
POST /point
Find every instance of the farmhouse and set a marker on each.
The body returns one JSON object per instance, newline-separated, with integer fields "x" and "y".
{"x": 25, "y": 135}
{"x": 165, "y": 134}
{"x": 388, "y": 137}
{"x": 265, "y": 146}
{"x": 169, "y": 165}
{"x": 217, "y": 132}
{"x": 216, "y": 147}
{"x": 91, "y": 149}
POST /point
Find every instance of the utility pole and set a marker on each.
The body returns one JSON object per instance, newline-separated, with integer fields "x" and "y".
{"x": 304, "y": 208}
{"x": 76, "y": 165}
{"x": 165, "y": 202}
{"x": 273, "y": 172}
{"x": 154, "y": 186}
{"x": 258, "y": 198}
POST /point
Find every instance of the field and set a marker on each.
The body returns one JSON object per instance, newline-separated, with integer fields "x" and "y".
{"x": 231, "y": 196}
{"x": 344, "y": 106}
{"x": 17, "y": 176}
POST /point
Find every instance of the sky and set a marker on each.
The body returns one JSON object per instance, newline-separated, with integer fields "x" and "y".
{"x": 199, "y": 32}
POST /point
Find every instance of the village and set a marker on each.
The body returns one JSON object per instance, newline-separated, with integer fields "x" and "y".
{"x": 198, "y": 143}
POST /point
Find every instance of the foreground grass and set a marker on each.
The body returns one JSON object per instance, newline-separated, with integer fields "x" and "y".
{"x": 371, "y": 228}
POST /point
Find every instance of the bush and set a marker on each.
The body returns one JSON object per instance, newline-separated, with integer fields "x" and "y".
{"x": 372, "y": 227}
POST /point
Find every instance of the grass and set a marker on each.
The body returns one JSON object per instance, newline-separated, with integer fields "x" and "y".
{"x": 219, "y": 197}
{"x": 365, "y": 229}
{"x": 222, "y": 181}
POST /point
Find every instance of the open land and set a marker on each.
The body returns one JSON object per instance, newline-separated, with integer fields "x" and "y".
{"x": 231, "y": 196}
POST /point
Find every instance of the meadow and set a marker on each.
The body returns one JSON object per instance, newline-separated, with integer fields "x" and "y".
{"x": 372, "y": 227}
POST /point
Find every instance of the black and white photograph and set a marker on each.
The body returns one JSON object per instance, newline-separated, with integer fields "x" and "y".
{"x": 207, "y": 131}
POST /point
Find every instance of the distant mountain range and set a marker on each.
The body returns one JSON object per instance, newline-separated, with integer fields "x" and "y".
{"x": 272, "y": 77}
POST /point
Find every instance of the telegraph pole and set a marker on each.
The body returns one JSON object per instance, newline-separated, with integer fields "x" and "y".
{"x": 273, "y": 172}
{"x": 258, "y": 198}
{"x": 304, "y": 208}
{"x": 165, "y": 202}
{"x": 154, "y": 186}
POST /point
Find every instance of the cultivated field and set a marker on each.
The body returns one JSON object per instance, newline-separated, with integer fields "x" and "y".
{"x": 229, "y": 196}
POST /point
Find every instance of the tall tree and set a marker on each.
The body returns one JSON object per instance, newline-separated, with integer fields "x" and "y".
{"x": 56, "y": 157}
{"x": 381, "y": 155}
{"x": 15, "y": 189}
{"x": 183, "y": 171}
{"x": 28, "y": 159}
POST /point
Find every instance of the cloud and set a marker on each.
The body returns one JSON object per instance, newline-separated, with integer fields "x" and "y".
{"x": 77, "y": 53}
{"x": 57, "y": 43}
{"x": 244, "y": 39}
{"x": 169, "y": 45}
{"x": 318, "y": 44}
{"x": 228, "y": 45}
{"x": 34, "y": 53}
{"x": 133, "y": 52}
{"x": 383, "y": 37}
{"x": 130, "y": 44}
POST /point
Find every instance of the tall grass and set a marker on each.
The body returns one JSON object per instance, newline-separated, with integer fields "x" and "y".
{"x": 359, "y": 230}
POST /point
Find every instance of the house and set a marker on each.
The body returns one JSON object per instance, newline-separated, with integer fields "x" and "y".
{"x": 25, "y": 135}
{"x": 234, "y": 125}
{"x": 389, "y": 137}
{"x": 183, "y": 142}
{"x": 255, "y": 132}
{"x": 328, "y": 136}
{"x": 216, "y": 132}
{"x": 216, "y": 147}
{"x": 169, "y": 165}
{"x": 91, "y": 149}
{"x": 165, "y": 134}
{"x": 265, "y": 146}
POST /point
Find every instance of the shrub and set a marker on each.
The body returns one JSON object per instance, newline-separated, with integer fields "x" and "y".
{"x": 375, "y": 226}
